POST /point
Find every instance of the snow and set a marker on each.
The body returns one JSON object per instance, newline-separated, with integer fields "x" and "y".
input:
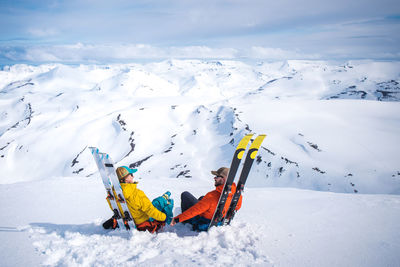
{"x": 289, "y": 227}
{"x": 324, "y": 190}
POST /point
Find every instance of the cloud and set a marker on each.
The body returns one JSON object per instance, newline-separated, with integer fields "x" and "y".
{"x": 109, "y": 53}
{"x": 151, "y": 21}
{"x": 123, "y": 53}
{"x": 199, "y": 29}
{"x": 278, "y": 54}
{"x": 42, "y": 32}
{"x": 89, "y": 53}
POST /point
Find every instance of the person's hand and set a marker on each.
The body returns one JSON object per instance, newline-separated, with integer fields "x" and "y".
{"x": 173, "y": 222}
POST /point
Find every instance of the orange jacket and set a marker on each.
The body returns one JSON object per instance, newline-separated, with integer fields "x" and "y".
{"x": 207, "y": 205}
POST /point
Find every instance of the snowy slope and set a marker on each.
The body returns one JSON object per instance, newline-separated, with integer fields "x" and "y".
{"x": 330, "y": 127}
{"x": 61, "y": 226}
{"x": 167, "y": 111}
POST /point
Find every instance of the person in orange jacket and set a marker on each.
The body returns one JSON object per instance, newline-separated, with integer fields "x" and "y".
{"x": 199, "y": 212}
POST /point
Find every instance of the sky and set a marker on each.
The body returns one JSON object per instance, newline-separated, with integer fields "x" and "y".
{"x": 118, "y": 30}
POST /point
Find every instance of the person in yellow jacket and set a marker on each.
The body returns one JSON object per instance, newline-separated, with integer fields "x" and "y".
{"x": 140, "y": 207}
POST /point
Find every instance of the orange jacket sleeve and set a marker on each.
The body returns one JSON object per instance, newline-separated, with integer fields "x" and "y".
{"x": 197, "y": 209}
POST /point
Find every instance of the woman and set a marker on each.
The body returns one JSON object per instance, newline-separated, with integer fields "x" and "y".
{"x": 144, "y": 214}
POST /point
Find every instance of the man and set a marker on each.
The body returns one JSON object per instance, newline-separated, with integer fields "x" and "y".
{"x": 140, "y": 207}
{"x": 199, "y": 212}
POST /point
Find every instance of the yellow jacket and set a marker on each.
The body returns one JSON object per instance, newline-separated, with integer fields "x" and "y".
{"x": 139, "y": 205}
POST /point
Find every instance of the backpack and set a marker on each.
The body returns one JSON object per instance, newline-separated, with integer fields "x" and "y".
{"x": 164, "y": 204}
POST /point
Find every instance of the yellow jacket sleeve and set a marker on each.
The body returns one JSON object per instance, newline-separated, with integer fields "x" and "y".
{"x": 139, "y": 205}
{"x": 149, "y": 209}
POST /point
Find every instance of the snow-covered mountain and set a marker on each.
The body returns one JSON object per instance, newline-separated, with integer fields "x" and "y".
{"x": 330, "y": 127}
{"x": 178, "y": 118}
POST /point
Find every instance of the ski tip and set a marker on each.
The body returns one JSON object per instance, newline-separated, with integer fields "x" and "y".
{"x": 94, "y": 150}
{"x": 261, "y": 136}
{"x": 244, "y": 141}
{"x": 258, "y": 137}
{"x": 257, "y": 142}
{"x": 256, "y": 145}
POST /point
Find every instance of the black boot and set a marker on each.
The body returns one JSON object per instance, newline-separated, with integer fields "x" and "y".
{"x": 110, "y": 224}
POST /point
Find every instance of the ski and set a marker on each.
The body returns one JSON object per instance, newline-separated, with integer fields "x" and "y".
{"x": 110, "y": 170}
{"x": 108, "y": 186}
{"x": 248, "y": 162}
{"x": 237, "y": 157}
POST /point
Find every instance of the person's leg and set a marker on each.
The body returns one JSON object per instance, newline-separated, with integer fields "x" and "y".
{"x": 110, "y": 224}
{"x": 200, "y": 223}
{"x": 152, "y": 227}
{"x": 187, "y": 200}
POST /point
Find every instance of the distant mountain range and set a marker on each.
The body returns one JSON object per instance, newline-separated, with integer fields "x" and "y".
{"x": 182, "y": 118}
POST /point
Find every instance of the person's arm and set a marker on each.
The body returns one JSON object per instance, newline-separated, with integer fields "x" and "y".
{"x": 197, "y": 209}
{"x": 150, "y": 210}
